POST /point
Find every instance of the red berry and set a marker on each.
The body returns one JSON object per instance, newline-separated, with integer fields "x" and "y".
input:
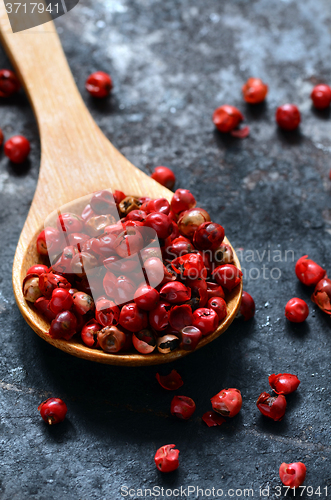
{"x": 166, "y": 458}
{"x": 128, "y": 243}
{"x": 288, "y": 117}
{"x": 272, "y": 407}
{"x": 111, "y": 339}
{"x": 89, "y": 333}
{"x": 146, "y": 297}
{"x": 180, "y": 317}
{"x": 227, "y": 118}
{"x": 99, "y": 84}
{"x": 321, "y": 96}
{"x": 175, "y": 292}
{"x": 9, "y": 83}
{"x": 208, "y": 235}
{"x": 254, "y": 90}
{"x": 69, "y": 223}
{"x": 292, "y": 475}
{"x": 308, "y": 272}
{"x": 182, "y": 200}
{"x": 190, "y": 266}
{"x": 17, "y": 148}
{"x": 106, "y": 312}
{"x": 214, "y": 290}
{"x": 228, "y": 276}
{"x": 83, "y": 303}
{"x": 49, "y": 281}
{"x": 190, "y": 220}
{"x": 31, "y": 289}
{"x": 53, "y": 410}
{"x": 190, "y": 337}
{"x": 219, "y": 306}
{"x": 125, "y": 289}
{"x": 118, "y": 196}
{"x": 284, "y": 383}
{"x": 322, "y": 295}
{"x": 49, "y": 241}
{"x": 102, "y": 202}
{"x": 161, "y": 223}
{"x": 159, "y": 317}
{"x": 64, "y": 326}
{"x": 61, "y": 300}
{"x": 136, "y": 215}
{"x": 144, "y": 341}
{"x": 227, "y": 402}
{"x": 160, "y": 205}
{"x": 247, "y": 306}
{"x": 212, "y": 419}
{"x": 206, "y": 320}
{"x": 132, "y": 318}
{"x": 170, "y": 382}
{"x": 164, "y": 176}
{"x": 296, "y": 310}
{"x": 41, "y": 305}
{"x": 37, "y": 269}
{"x": 182, "y": 407}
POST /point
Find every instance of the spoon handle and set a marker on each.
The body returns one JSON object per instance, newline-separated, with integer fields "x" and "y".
{"x": 76, "y": 158}
{"x": 39, "y": 61}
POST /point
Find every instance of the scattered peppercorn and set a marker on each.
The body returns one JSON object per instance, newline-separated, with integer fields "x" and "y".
{"x": 288, "y": 117}
{"x": 292, "y": 475}
{"x": 296, "y": 310}
{"x": 17, "y": 148}
{"x": 53, "y": 410}
{"x": 227, "y": 118}
{"x": 99, "y": 84}
{"x": 164, "y": 176}
{"x": 321, "y": 96}
{"x": 166, "y": 458}
{"x": 254, "y": 90}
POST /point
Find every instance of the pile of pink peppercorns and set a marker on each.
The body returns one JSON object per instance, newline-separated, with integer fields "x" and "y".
{"x": 156, "y": 279}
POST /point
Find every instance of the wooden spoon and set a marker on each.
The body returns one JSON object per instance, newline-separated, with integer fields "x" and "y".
{"x": 76, "y": 159}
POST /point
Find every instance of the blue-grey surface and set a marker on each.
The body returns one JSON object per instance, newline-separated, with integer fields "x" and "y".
{"x": 173, "y": 62}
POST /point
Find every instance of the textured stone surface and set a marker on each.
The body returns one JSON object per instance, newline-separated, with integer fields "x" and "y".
{"x": 172, "y": 63}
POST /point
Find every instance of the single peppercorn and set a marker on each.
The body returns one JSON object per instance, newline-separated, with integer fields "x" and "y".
{"x": 182, "y": 407}
{"x": 296, "y": 310}
{"x": 321, "y": 96}
{"x": 166, "y": 458}
{"x": 17, "y": 148}
{"x": 9, "y": 83}
{"x": 164, "y": 176}
{"x": 53, "y": 410}
{"x": 254, "y": 90}
{"x": 227, "y": 118}
{"x": 99, "y": 84}
{"x": 288, "y": 117}
{"x": 227, "y": 402}
{"x": 292, "y": 475}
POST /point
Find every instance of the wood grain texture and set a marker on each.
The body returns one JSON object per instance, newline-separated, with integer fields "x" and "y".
{"x": 76, "y": 159}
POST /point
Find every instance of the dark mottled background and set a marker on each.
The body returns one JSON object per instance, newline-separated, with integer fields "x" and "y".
{"x": 173, "y": 62}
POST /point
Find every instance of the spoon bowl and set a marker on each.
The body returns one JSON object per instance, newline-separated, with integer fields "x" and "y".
{"x": 76, "y": 160}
